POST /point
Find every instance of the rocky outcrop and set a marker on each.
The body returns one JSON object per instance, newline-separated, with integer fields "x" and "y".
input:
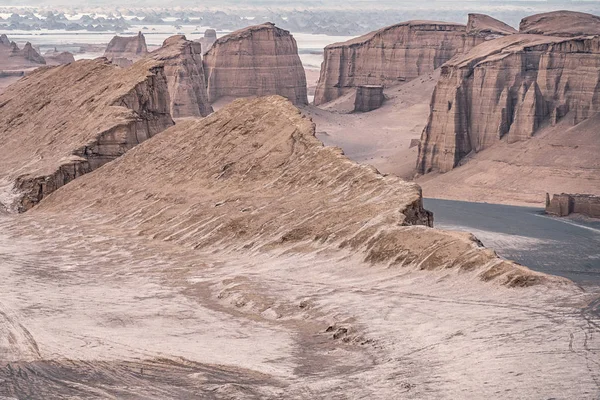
{"x": 4, "y": 40}
{"x": 182, "y": 61}
{"x": 256, "y": 61}
{"x": 59, "y": 123}
{"x": 368, "y": 98}
{"x": 12, "y": 57}
{"x": 56, "y": 57}
{"x": 561, "y": 23}
{"x": 210, "y": 37}
{"x": 253, "y": 178}
{"x": 124, "y": 51}
{"x": 481, "y": 24}
{"x": 564, "y": 204}
{"x": 506, "y": 89}
{"x": 396, "y": 54}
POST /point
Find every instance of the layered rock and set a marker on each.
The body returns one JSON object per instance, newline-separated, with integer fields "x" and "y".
{"x": 59, "y": 123}
{"x": 124, "y": 51}
{"x": 253, "y": 178}
{"x": 561, "y": 23}
{"x": 564, "y": 204}
{"x": 56, "y": 57}
{"x": 482, "y": 24}
{"x": 210, "y": 37}
{"x": 182, "y": 61}
{"x": 368, "y": 98}
{"x": 506, "y": 89}
{"x": 256, "y": 61}
{"x": 397, "y": 53}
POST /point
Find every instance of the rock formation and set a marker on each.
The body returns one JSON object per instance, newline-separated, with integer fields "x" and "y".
{"x": 56, "y": 57}
{"x": 59, "y": 123}
{"x": 256, "y": 61}
{"x": 398, "y": 53}
{"x": 12, "y": 57}
{"x": 564, "y": 204}
{"x": 561, "y": 23}
{"x": 210, "y": 37}
{"x": 368, "y": 98}
{"x": 482, "y": 24}
{"x": 182, "y": 60}
{"x": 124, "y": 51}
{"x": 507, "y": 89}
{"x": 4, "y": 40}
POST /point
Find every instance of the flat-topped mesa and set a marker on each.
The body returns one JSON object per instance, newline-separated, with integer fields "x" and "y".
{"x": 506, "y": 89}
{"x": 210, "y": 37}
{"x": 486, "y": 25}
{"x": 55, "y": 57}
{"x": 564, "y": 204}
{"x": 561, "y": 23}
{"x": 124, "y": 51}
{"x": 392, "y": 55}
{"x": 182, "y": 61}
{"x": 252, "y": 177}
{"x": 62, "y": 122}
{"x": 259, "y": 60}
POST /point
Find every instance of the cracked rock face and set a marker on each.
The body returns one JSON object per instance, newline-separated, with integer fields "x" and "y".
{"x": 506, "y": 89}
{"x": 59, "y": 123}
{"x": 182, "y": 61}
{"x": 561, "y": 23}
{"x": 398, "y": 53}
{"x": 124, "y": 51}
{"x": 259, "y": 60}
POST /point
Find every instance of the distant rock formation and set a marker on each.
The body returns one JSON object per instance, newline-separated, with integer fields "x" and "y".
{"x": 256, "y": 61}
{"x": 507, "y": 89}
{"x": 398, "y": 53}
{"x": 368, "y": 98}
{"x": 564, "y": 204}
{"x": 182, "y": 60}
{"x": 4, "y": 40}
{"x": 55, "y": 57}
{"x": 561, "y": 23}
{"x": 210, "y": 37}
{"x": 124, "y": 51}
{"x": 59, "y": 123}
{"x": 12, "y": 57}
{"x": 252, "y": 177}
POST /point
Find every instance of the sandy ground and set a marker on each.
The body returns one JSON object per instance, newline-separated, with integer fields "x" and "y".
{"x": 88, "y": 313}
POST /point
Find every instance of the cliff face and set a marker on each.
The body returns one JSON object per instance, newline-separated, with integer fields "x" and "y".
{"x": 395, "y": 54}
{"x": 182, "y": 61}
{"x": 59, "y": 123}
{"x": 256, "y": 61}
{"x": 210, "y": 37}
{"x": 561, "y": 23}
{"x": 124, "y": 51}
{"x": 507, "y": 89}
{"x": 564, "y": 204}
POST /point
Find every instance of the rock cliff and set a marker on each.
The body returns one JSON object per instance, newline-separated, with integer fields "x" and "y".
{"x": 182, "y": 61}
{"x": 398, "y": 53}
{"x": 256, "y": 61}
{"x": 124, "y": 51}
{"x": 564, "y": 204}
{"x": 59, "y": 123}
{"x": 252, "y": 178}
{"x": 482, "y": 24}
{"x": 561, "y": 23}
{"x": 507, "y": 89}
{"x": 210, "y": 37}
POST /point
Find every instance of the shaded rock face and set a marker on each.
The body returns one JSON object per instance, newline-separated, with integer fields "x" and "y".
{"x": 58, "y": 58}
{"x": 368, "y": 98}
{"x": 564, "y": 204}
{"x": 210, "y": 37}
{"x": 391, "y": 55}
{"x": 257, "y": 61}
{"x": 561, "y": 23}
{"x": 4, "y": 40}
{"x": 506, "y": 89}
{"x": 59, "y": 123}
{"x": 182, "y": 61}
{"x": 124, "y": 51}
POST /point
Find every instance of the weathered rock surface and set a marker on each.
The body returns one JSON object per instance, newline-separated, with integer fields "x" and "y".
{"x": 182, "y": 61}
{"x": 124, "y": 51}
{"x": 368, "y": 98}
{"x": 561, "y": 23}
{"x": 482, "y": 24}
{"x": 256, "y": 61}
{"x": 565, "y": 204}
{"x": 59, "y": 123}
{"x": 210, "y": 37}
{"x": 507, "y": 89}
{"x": 13, "y": 58}
{"x": 253, "y": 177}
{"x": 56, "y": 57}
{"x": 397, "y": 53}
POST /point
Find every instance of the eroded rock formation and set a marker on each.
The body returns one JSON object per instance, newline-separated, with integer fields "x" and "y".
{"x": 12, "y": 57}
{"x": 210, "y": 37}
{"x": 482, "y": 24}
{"x": 507, "y": 89}
{"x": 564, "y": 204}
{"x": 256, "y": 61}
{"x": 182, "y": 60}
{"x": 124, "y": 51}
{"x": 56, "y": 57}
{"x": 397, "y": 53}
{"x": 368, "y": 98}
{"x": 561, "y": 23}
{"x": 59, "y": 123}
